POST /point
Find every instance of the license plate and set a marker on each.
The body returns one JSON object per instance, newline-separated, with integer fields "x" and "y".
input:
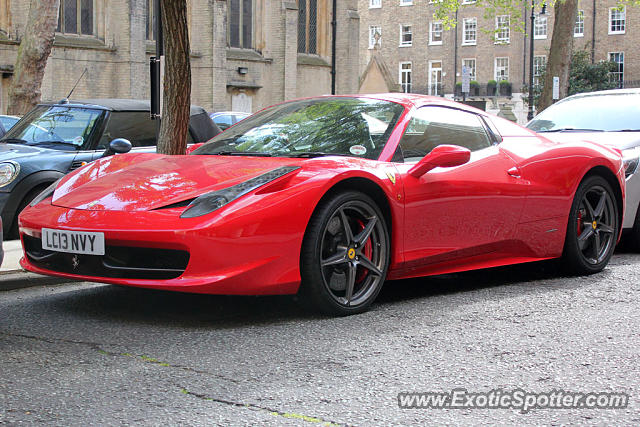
{"x": 75, "y": 242}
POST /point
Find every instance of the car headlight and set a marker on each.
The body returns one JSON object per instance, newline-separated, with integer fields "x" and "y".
{"x": 46, "y": 193}
{"x": 209, "y": 202}
{"x": 8, "y": 172}
{"x": 630, "y": 159}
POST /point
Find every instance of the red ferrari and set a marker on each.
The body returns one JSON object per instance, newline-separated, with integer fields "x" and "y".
{"x": 328, "y": 197}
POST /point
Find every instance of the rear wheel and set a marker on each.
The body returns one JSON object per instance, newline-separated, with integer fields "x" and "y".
{"x": 593, "y": 227}
{"x": 345, "y": 254}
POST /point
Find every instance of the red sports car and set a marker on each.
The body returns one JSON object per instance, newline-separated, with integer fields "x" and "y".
{"x": 328, "y": 197}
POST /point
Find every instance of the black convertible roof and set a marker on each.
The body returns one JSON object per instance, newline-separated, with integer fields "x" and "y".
{"x": 119, "y": 104}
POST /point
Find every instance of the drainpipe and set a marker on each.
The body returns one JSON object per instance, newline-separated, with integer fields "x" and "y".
{"x": 334, "y": 31}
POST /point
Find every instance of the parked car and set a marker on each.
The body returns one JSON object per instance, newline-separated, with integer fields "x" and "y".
{"x": 56, "y": 138}
{"x": 610, "y": 117}
{"x": 315, "y": 196}
{"x": 226, "y": 119}
{"x": 6, "y": 123}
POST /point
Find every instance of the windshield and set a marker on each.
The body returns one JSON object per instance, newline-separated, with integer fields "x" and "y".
{"x": 356, "y": 127}
{"x": 58, "y": 127}
{"x": 600, "y": 113}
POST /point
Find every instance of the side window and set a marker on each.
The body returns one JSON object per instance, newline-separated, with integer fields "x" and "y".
{"x": 224, "y": 121}
{"x": 135, "y": 126}
{"x": 433, "y": 126}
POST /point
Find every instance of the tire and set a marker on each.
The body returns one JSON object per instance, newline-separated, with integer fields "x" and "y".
{"x": 593, "y": 227}
{"x": 343, "y": 267}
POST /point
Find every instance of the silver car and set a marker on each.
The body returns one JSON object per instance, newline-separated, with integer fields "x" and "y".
{"x": 610, "y": 117}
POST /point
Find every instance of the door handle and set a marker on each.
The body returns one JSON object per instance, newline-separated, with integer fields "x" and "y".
{"x": 514, "y": 172}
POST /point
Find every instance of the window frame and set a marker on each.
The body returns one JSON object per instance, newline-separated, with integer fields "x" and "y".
{"x": 620, "y": 71}
{"x": 241, "y": 25}
{"x": 466, "y": 42}
{"x": 405, "y": 86}
{"x": 579, "y": 24}
{"x": 495, "y": 69}
{"x": 538, "y": 26}
{"x": 432, "y": 32}
{"x": 622, "y": 22}
{"x": 375, "y": 4}
{"x": 60, "y": 28}
{"x": 503, "y": 28}
{"x": 403, "y": 33}
{"x": 537, "y": 68}
{"x": 372, "y": 40}
{"x": 472, "y": 76}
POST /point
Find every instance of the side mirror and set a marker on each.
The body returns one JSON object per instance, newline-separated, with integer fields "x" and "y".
{"x": 443, "y": 156}
{"x": 117, "y": 146}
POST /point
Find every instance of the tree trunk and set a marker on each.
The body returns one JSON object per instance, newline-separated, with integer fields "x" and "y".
{"x": 177, "y": 78}
{"x": 559, "y": 52}
{"x": 33, "y": 53}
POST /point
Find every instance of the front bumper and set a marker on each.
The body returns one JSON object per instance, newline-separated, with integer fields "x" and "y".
{"x": 232, "y": 256}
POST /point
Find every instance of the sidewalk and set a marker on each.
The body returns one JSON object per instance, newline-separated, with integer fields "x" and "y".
{"x": 12, "y": 276}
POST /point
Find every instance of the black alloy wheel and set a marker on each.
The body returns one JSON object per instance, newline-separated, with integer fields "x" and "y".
{"x": 345, "y": 254}
{"x": 593, "y": 227}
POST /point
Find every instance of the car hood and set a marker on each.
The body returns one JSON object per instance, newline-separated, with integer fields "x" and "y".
{"x": 621, "y": 140}
{"x": 139, "y": 182}
{"x": 17, "y": 151}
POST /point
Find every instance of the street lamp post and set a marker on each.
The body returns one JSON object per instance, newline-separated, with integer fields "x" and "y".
{"x": 533, "y": 22}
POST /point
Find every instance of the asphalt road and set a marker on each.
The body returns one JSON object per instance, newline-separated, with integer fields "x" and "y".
{"x": 88, "y": 354}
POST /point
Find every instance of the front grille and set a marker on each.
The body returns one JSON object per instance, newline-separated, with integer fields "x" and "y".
{"x": 124, "y": 262}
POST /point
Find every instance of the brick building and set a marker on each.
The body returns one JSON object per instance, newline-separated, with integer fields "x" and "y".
{"x": 425, "y": 58}
{"x": 245, "y": 54}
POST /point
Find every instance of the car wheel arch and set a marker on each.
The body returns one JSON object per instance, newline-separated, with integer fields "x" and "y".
{"x": 610, "y": 177}
{"x": 368, "y": 187}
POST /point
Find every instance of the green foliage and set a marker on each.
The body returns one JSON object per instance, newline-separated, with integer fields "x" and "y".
{"x": 588, "y": 77}
{"x": 583, "y": 76}
{"x": 492, "y": 82}
{"x": 504, "y": 83}
{"x": 474, "y": 83}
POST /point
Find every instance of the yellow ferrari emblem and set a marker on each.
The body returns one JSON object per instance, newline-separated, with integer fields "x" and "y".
{"x": 351, "y": 253}
{"x": 392, "y": 176}
{"x": 594, "y": 224}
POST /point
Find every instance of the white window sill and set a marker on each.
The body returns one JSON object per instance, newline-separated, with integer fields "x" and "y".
{"x": 578, "y": 35}
{"x": 469, "y": 43}
{"x": 435, "y": 43}
{"x": 405, "y": 45}
{"x": 613, "y": 33}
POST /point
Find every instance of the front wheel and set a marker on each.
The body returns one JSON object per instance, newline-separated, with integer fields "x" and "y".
{"x": 593, "y": 227}
{"x": 345, "y": 254}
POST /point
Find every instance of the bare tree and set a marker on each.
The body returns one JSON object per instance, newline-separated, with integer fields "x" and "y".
{"x": 33, "y": 53}
{"x": 177, "y": 78}
{"x": 560, "y": 51}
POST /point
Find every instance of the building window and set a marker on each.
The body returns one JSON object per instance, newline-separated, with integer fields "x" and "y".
{"x": 373, "y": 4}
{"x": 578, "y": 28}
{"x": 617, "y": 18}
{"x": 240, "y": 28}
{"x": 435, "y": 33}
{"x": 540, "y": 28}
{"x": 539, "y": 64}
{"x": 468, "y": 1}
{"x": 406, "y": 38}
{"x": 471, "y": 66}
{"x": 405, "y": 76}
{"x": 469, "y": 31}
{"x": 375, "y": 36}
{"x": 502, "y": 69}
{"x": 76, "y": 17}
{"x": 618, "y": 74}
{"x": 406, "y": 2}
{"x": 502, "y": 29}
{"x": 308, "y": 26}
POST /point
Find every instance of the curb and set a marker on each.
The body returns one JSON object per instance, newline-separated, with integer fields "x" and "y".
{"x": 19, "y": 279}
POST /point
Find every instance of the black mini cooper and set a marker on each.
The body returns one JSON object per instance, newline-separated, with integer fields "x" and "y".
{"x": 54, "y": 139}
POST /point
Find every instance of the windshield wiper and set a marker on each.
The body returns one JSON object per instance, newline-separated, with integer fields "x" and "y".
{"x": 13, "y": 140}
{"x": 241, "y": 153}
{"x": 626, "y": 130}
{"x": 568, "y": 129}
{"x": 55, "y": 142}
{"x": 310, "y": 154}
